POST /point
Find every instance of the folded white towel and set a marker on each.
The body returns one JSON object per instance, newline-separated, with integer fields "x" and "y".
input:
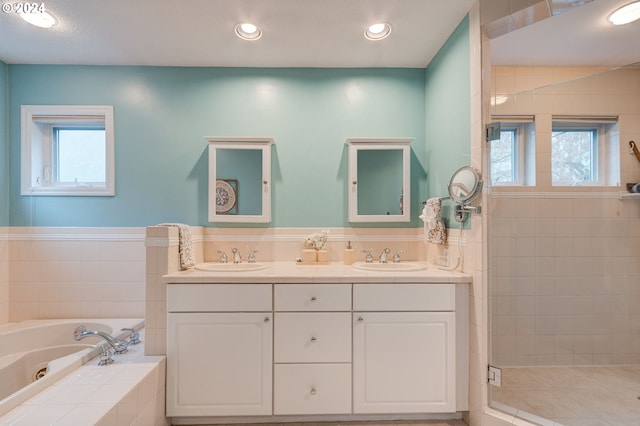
{"x": 434, "y": 229}
{"x": 184, "y": 245}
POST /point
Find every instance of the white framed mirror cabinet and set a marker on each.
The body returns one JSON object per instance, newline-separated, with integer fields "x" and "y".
{"x": 379, "y": 179}
{"x": 240, "y": 179}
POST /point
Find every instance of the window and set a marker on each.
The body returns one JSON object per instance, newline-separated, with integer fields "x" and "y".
{"x": 67, "y": 150}
{"x": 504, "y": 156}
{"x": 512, "y": 157}
{"x": 582, "y": 152}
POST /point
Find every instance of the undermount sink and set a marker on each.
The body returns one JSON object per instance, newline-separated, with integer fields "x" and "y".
{"x": 390, "y": 267}
{"x": 230, "y": 267}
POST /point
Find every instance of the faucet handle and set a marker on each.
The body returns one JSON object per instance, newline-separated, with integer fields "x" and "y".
{"x": 252, "y": 256}
{"x": 369, "y": 257}
{"x": 105, "y": 356}
{"x": 223, "y": 256}
{"x": 396, "y": 256}
{"x": 134, "y": 338}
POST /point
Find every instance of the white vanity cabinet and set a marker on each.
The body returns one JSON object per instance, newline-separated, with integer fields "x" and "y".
{"x": 404, "y": 348}
{"x": 219, "y": 350}
{"x": 312, "y": 349}
{"x": 327, "y": 351}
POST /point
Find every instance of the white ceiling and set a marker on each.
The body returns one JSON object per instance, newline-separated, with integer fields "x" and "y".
{"x": 579, "y": 37}
{"x": 296, "y": 33}
{"x": 301, "y": 33}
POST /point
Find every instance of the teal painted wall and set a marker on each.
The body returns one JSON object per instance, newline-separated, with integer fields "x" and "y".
{"x": 162, "y": 115}
{"x": 4, "y": 144}
{"x": 448, "y": 107}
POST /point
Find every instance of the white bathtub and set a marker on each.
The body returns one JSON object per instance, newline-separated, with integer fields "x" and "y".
{"x": 47, "y": 348}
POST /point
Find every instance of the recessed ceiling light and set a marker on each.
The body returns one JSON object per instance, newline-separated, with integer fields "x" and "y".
{"x": 625, "y": 14}
{"x": 377, "y": 31}
{"x": 248, "y": 31}
{"x": 40, "y": 19}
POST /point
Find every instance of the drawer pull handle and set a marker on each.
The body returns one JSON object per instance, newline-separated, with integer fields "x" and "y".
{"x": 313, "y": 298}
{"x": 267, "y": 319}
{"x": 313, "y": 340}
{"x": 313, "y": 391}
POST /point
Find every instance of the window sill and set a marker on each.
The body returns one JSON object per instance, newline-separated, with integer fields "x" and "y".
{"x": 67, "y": 192}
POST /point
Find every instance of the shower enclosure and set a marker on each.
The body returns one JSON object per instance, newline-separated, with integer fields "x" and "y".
{"x": 564, "y": 244}
{"x": 564, "y": 260}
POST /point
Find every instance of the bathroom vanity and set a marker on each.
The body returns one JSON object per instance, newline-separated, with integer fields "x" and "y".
{"x": 316, "y": 342}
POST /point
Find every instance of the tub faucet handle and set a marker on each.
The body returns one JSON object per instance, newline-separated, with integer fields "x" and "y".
{"x": 134, "y": 338}
{"x": 105, "y": 356}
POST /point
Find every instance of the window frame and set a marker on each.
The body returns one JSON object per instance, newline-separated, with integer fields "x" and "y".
{"x": 599, "y": 146}
{"x": 517, "y": 160}
{"x": 524, "y": 158}
{"x": 37, "y": 124}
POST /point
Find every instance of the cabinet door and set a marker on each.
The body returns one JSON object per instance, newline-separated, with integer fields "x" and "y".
{"x": 404, "y": 362}
{"x": 219, "y": 364}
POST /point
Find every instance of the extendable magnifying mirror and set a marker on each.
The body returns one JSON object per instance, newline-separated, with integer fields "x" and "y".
{"x": 464, "y": 187}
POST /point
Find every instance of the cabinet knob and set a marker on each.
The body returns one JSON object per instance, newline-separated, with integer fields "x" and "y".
{"x": 313, "y": 298}
{"x": 267, "y": 319}
{"x": 360, "y": 319}
{"x": 313, "y": 391}
{"x": 313, "y": 340}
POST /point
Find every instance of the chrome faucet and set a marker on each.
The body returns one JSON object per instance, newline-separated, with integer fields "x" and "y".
{"x": 368, "y": 258}
{"x": 119, "y": 346}
{"x": 223, "y": 256}
{"x": 236, "y": 255}
{"x": 383, "y": 255}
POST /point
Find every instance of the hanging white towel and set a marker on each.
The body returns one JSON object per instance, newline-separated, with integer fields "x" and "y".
{"x": 434, "y": 229}
{"x": 184, "y": 245}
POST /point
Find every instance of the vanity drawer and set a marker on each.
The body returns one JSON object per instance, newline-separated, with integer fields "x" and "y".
{"x": 312, "y": 337}
{"x": 312, "y": 297}
{"x": 219, "y": 297}
{"x": 312, "y": 389}
{"x": 404, "y": 297}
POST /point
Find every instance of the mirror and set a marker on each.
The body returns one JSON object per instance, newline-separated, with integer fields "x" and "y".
{"x": 240, "y": 180}
{"x": 465, "y": 185}
{"x": 378, "y": 186}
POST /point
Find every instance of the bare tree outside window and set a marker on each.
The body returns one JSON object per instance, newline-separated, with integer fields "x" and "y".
{"x": 574, "y": 156}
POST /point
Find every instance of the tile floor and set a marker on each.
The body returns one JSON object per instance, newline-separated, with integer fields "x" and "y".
{"x": 573, "y": 396}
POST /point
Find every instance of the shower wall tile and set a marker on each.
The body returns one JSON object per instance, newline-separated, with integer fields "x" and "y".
{"x": 567, "y": 291}
{"x": 579, "y": 255}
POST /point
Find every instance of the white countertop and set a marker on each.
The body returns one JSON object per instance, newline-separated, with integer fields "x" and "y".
{"x": 335, "y": 272}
